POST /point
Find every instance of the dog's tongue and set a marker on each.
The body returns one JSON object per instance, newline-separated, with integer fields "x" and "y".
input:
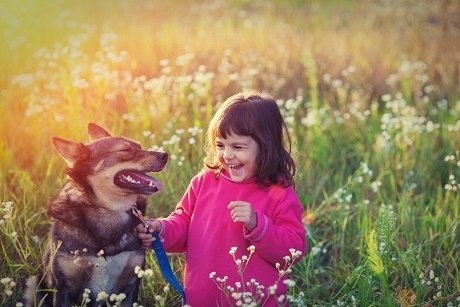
{"x": 139, "y": 181}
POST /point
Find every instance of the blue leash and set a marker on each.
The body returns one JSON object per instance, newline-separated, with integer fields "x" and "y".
{"x": 162, "y": 258}
{"x": 165, "y": 267}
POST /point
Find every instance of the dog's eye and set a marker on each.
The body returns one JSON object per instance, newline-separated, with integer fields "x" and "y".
{"x": 126, "y": 149}
{"x": 126, "y": 153}
{"x": 133, "y": 147}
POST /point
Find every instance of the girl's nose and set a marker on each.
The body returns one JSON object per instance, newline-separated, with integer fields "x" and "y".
{"x": 228, "y": 154}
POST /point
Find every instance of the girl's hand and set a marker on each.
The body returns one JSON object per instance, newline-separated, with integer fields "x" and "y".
{"x": 145, "y": 234}
{"x": 242, "y": 211}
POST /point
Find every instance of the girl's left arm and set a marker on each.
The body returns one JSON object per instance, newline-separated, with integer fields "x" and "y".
{"x": 274, "y": 236}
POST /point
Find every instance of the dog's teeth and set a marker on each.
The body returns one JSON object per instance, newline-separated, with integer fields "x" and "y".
{"x": 130, "y": 179}
{"x": 151, "y": 184}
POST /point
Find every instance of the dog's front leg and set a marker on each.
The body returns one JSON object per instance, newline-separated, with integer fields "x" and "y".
{"x": 126, "y": 281}
{"x": 62, "y": 298}
{"x": 132, "y": 292}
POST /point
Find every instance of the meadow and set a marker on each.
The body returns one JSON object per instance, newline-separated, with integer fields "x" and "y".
{"x": 370, "y": 91}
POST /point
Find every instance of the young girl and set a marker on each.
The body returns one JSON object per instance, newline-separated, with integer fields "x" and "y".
{"x": 244, "y": 197}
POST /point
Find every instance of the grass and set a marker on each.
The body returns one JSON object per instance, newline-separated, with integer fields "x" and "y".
{"x": 370, "y": 91}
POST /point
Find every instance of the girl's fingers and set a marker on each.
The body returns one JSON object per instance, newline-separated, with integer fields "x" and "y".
{"x": 237, "y": 204}
{"x": 240, "y": 211}
{"x": 144, "y": 236}
{"x": 140, "y": 228}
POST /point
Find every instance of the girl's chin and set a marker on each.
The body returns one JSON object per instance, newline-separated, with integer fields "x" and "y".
{"x": 237, "y": 179}
{"x": 237, "y": 175}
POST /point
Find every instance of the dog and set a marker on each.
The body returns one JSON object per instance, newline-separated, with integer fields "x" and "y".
{"x": 93, "y": 243}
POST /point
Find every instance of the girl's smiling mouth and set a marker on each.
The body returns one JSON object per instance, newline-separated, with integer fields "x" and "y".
{"x": 234, "y": 166}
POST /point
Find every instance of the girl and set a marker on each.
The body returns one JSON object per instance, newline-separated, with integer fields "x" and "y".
{"x": 244, "y": 197}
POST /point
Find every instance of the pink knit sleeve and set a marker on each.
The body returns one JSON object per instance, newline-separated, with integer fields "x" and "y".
{"x": 175, "y": 227}
{"x": 259, "y": 232}
{"x": 274, "y": 236}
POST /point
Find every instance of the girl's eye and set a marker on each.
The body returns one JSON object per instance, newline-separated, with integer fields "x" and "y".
{"x": 219, "y": 146}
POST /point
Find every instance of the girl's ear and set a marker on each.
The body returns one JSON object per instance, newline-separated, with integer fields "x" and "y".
{"x": 96, "y": 132}
{"x": 70, "y": 151}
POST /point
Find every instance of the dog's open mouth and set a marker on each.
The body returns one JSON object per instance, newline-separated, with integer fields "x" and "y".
{"x": 138, "y": 181}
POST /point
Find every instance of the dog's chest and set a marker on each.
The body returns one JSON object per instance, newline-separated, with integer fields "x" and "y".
{"x": 112, "y": 233}
{"x": 108, "y": 222}
{"x": 115, "y": 227}
{"x": 98, "y": 274}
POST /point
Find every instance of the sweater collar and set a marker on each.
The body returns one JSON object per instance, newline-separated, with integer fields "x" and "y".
{"x": 226, "y": 175}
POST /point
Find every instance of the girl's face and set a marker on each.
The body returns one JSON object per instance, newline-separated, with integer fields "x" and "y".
{"x": 238, "y": 155}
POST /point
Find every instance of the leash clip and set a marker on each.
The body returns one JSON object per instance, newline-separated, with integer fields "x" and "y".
{"x": 137, "y": 213}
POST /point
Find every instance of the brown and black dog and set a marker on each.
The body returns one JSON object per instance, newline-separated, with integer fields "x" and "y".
{"x": 93, "y": 244}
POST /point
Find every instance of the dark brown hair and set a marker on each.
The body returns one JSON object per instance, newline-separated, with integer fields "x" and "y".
{"x": 258, "y": 116}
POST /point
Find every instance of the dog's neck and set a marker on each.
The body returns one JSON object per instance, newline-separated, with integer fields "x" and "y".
{"x": 114, "y": 202}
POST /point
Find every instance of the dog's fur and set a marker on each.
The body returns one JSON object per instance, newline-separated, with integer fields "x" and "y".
{"x": 93, "y": 243}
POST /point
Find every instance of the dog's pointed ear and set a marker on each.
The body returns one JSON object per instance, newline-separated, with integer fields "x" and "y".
{"x": 96, "y": 132}
{"x": 70, "y": 151}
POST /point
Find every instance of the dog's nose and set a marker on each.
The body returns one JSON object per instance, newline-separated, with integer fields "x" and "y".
{"x": 162, "y": 156}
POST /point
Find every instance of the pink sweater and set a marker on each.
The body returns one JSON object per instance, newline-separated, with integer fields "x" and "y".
{"x": 202, "y": 227}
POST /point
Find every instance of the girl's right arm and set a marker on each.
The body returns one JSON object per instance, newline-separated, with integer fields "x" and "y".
{"x": 284, "y": 229}
{"x": 173, "y": 230}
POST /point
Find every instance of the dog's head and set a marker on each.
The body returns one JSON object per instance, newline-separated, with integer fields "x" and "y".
{"x": 112, "y": 168}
